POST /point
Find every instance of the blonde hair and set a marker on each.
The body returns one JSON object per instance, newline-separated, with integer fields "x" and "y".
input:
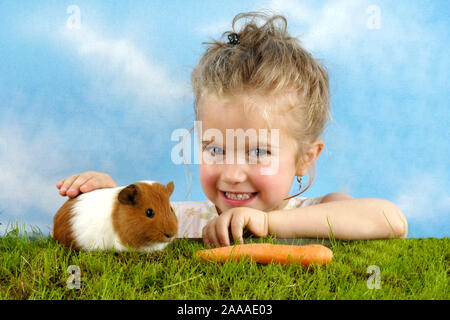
{"x": 267, "y": 60}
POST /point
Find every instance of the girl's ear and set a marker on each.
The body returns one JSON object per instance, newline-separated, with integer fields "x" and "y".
{"x": 309, "y": 158}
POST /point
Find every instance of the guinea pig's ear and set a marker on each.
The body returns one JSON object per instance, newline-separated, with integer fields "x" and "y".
{"x": 170, "y": 186}
{"x": 128, "y": 195}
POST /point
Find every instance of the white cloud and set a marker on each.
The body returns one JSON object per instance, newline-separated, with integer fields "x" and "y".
{"x": 423, "y": 196}
{"x": 341, "y": 31}
{"x": 299, "y": 11}
{"x": 29, "y": 163}
{"x": 424, "y": 200}
{"x": 124, "y": 68}
{"x": 325, "y": 26}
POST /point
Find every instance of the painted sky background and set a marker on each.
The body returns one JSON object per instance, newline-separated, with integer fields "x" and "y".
{"x": 107, "y": 97}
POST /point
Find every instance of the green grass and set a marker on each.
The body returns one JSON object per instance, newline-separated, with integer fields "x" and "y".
{"x": 35, "y": 268}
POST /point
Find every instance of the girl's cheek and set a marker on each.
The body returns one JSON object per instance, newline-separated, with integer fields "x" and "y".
{"x": 208, "y": 178}
{"x": 276, "y": 184}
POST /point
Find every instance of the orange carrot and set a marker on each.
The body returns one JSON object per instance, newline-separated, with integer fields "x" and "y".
{"x": 266, "y": 253}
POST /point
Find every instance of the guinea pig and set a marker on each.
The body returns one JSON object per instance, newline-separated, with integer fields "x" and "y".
{"x": 138, "y": 216}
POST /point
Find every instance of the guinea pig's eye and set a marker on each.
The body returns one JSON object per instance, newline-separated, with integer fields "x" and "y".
{"x": 172, "y": 209}
{"x": 150, "y": 213}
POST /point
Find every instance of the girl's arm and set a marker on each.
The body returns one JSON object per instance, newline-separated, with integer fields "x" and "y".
{"x": 335, "y": 196}
{"x": 350, "y": 219}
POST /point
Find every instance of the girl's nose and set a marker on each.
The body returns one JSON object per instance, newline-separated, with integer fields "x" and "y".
{"x": 233, "y": 173}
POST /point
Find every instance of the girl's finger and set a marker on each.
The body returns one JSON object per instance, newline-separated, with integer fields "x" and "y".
{"x": 66, "y": 184}
{"x": 211, "y": 235}
{"x": 74, "y": 189}
{"x": 206, "y": 241}
{"x": 59, "y": 183}
{"x": 85, "y": 188}
{"x": 222, "y": 224}
{"x": 89, "y": 185}
{"x": 237, "y": 227}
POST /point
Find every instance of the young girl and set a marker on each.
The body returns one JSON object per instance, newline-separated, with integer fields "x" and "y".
{"x": 261, "y": 79}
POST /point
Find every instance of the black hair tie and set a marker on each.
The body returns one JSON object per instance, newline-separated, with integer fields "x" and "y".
{"x": 233, "y": 39}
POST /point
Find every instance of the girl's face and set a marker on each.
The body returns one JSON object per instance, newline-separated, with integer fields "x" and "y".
{"x": 262, "y": 168}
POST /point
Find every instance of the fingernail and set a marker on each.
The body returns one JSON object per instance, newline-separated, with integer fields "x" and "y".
{"x": 63, "y": 189}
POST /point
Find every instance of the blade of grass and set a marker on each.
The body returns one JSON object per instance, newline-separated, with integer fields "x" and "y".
{"x": 178, "y": 283}
{"x": 392, "y": 235}
{"x": 332, "y": 238}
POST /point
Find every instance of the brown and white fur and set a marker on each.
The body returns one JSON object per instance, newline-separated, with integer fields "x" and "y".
{"x": 118, "y": 218}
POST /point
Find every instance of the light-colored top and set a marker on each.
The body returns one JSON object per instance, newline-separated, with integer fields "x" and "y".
{"x": 194, "y": 215}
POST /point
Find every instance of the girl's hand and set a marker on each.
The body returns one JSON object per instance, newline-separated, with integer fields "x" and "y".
{"x": 215, "y": 233}
{"x": 84, "y": 182}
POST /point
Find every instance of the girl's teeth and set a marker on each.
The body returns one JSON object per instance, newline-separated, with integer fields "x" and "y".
{"x": 238, "y": 196}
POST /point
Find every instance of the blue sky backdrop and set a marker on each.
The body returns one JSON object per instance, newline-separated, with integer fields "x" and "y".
{"x": 106, "y": 96}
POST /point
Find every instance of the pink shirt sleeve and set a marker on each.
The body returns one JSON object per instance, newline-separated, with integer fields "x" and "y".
{"x": 299, "y": 202}
{"x": 193, "y": 216}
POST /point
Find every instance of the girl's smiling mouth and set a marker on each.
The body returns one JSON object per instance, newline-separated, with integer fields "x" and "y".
{"x": 238, "y": 198}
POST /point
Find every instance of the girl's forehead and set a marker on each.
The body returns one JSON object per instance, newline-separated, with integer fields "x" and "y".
{"x": 268, "y": 109}
{"x": 278, "y": 100}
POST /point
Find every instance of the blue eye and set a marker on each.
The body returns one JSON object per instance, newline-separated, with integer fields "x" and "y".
{"x": 261, "y": 152}
{"x": 215, "y": 150}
